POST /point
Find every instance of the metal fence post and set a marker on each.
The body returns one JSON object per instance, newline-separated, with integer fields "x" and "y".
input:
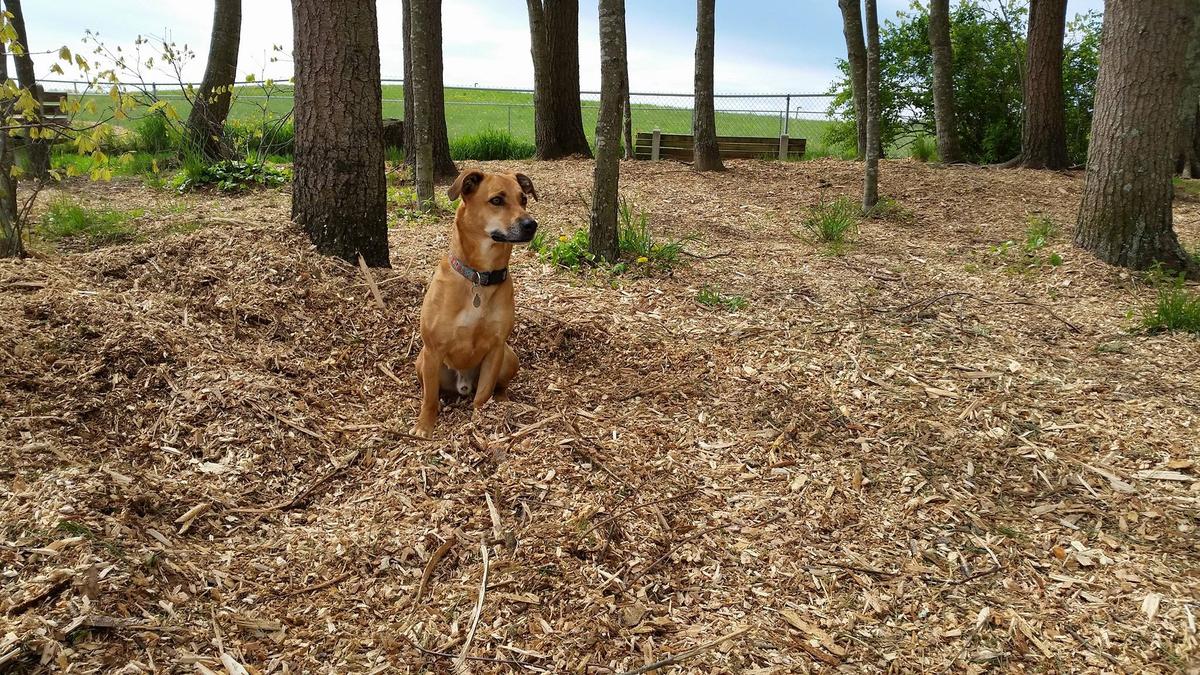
{"x": 783, "y": 146}
{"x": 787, "y": 114}
{"x": 509, "y": 108}
{"x": 655, "y": 144}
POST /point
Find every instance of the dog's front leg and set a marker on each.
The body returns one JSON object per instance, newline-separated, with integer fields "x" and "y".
{"x": 489, "y": 371}
{"x": 429, "y": 370}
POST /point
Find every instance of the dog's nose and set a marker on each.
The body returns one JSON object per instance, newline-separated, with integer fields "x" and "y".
{"x": 528, "y": 225}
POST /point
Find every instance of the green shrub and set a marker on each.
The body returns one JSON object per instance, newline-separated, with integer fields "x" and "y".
{"x": 65, "y": 218}
{"x": 227, "y": 176}
{"x": 155, "y": 133}
{"x": 259, "y": 138}
{"x": 711, "y": 297}
{"x": 833, "y": 223}
{"x": 1040, "y": 231}
{"x": 924, "y": 149}
{"x": 490, "y": 144}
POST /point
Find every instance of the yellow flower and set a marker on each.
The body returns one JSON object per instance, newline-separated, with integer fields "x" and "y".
{"x": 562, "y": 237}
{"x": 643, "y": 259}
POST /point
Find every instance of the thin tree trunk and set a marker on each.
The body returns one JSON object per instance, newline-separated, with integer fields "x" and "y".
{"x": 874, "y": 150}
{"x": 626, "y": 100}
{"x": 1043, "y": 125}
{"x": 603, "y": 240}
{"x": 944, "y": 116}
{"x": 39, "y": 150}
{"x": 856, "y": 56}
{"x": 558, "y": 117}
{"x": 1187, "y": 143}
{"x": 443, "y": 163}
{"x": 339, "y": 195}
{"x": 706, "y": 151}
{"x": 422, "y": 92}
{"x": 206, "y": 122}
{"x": 12, "y": 244}
{"x": 1125, "y": 218}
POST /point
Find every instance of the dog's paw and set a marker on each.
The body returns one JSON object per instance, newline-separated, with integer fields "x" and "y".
{"x": 422, "y": 431}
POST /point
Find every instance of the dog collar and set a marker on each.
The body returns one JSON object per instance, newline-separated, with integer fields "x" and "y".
{"x": 476, "y": 277}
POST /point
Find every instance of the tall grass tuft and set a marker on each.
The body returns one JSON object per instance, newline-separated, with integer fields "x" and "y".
{"x": 490, "y": 144}
{"x": 833, "y": 223}
{"x": 924, "y": 149}
{"x": 154, "y": 133}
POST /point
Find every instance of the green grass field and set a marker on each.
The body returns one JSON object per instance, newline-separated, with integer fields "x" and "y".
{"x": 469, "y": 111}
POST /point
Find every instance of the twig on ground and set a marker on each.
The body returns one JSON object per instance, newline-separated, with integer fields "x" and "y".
{"x": 681, "y": 542}
{"x": 707, "y": 257}
{"x": 318, "y": 586}
{"x": 925, "y": 303}
{"x": 630, "y": 510}
{"x": 438, "y": 554}
{"x": 366, "y": 272}
{"x": 460, "y": 663}
{"x": 304, "y": 494}
{"x": 679, "y": 658}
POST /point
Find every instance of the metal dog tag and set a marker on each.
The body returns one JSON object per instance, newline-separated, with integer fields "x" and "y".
{"x": 476, "y": 299}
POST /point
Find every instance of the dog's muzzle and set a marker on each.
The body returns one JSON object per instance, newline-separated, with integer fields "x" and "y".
{"x": 519, "y": 232}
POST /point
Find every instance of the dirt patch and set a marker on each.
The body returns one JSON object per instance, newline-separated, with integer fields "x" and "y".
{"x": 919, "y": 455}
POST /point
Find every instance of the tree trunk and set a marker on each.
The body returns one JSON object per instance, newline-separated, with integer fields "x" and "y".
{"x": 443, "y": 163}
{"x": 704, "y": 133}
{"x": 410, "y": 140}
{"x": 626, "y": 99}
{"x": 206, "y": 123}
{"x": 874, "y": 150}
{"x": 603, "y": 240}
{"x": 856, "y": 56}
{"x": 1187, "y": 141}
{"x": 943, "y": 82}
{"x": 1125, "y": 217}
{"x": 1043, "y": 126}
{"x": 554, "y": 40}
{"x": 12, "y": 244}
{"x": 421, "y": 89}
{"x": 339, "y": 195}
{"x": 39, "y": 150}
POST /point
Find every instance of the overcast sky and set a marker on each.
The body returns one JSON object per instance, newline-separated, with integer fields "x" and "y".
{"x": 763, "y": 46}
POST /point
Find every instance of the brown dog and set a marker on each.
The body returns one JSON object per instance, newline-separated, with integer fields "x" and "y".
{"x": 468, "y": 310}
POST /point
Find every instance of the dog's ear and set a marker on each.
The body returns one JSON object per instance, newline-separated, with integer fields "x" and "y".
{"x": 526, "y": 185}
{"x": 465, "y": 184}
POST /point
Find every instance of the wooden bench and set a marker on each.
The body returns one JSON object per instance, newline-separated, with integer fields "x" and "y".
{"x": 51, "y": 118}
{"x": 657, "y": 145}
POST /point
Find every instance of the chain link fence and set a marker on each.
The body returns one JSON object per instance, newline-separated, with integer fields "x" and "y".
{"x": 470, "y": 110}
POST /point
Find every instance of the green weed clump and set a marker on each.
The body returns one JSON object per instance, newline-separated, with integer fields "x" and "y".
{"x": 833, "y": 223}
{"x": 490, "y": 144}
{"x": 640, "y": 252}
{"x": 711, "y": 297}
{"x": 68, "y": 219}
{"x": 1174, "y": 307}
{"x": 1030, "y": 254}
{"x": 228, "y": 175}
{"x": 924, "y": 149}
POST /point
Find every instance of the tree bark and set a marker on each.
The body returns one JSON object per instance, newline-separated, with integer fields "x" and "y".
{"x": 603, "y": 240}
{"x": 1125, "y": 217}
{"x": 874, "y": 149}
{"x": 707, "y": 154}
{"x": 422, "y": 93}
{"x": 557, "y": 116}
{"x": 39, "y": 150}
{"x": 856, "y": 56}
{"x": 1043, "y": 125}
{"x": 12, "y": 244}
{"x": 339, "y": 195}
{"x": 206, "y": 122}
{"x": 443, "y": 163}
{"x": 626, "y": 99}
{"x": 1187, "y": 140}
{"x": 944, "y": 117}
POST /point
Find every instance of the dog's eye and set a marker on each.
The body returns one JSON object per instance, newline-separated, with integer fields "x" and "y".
{"x": 498, "y": 201}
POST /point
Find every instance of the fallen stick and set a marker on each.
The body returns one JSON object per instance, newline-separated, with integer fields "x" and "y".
{"x": 460, "y": 664}
{"x": 679, "y": 658}
{"x": 316, "y": 587}
{"x": 434, "y": 559}
{"x": 630, "y": 510}
{"x": 366, "y": 272}
{"x": 306, "y": 492}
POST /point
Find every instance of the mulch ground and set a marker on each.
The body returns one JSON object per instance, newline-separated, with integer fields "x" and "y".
{"x": 927, "y": 454}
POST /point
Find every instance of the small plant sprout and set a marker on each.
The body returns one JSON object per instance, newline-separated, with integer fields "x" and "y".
{"x": 711, "y": 297}
{"x": 833, "y": 223}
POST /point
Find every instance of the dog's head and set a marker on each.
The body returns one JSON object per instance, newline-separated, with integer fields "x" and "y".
{"x": 493, "y": 206}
